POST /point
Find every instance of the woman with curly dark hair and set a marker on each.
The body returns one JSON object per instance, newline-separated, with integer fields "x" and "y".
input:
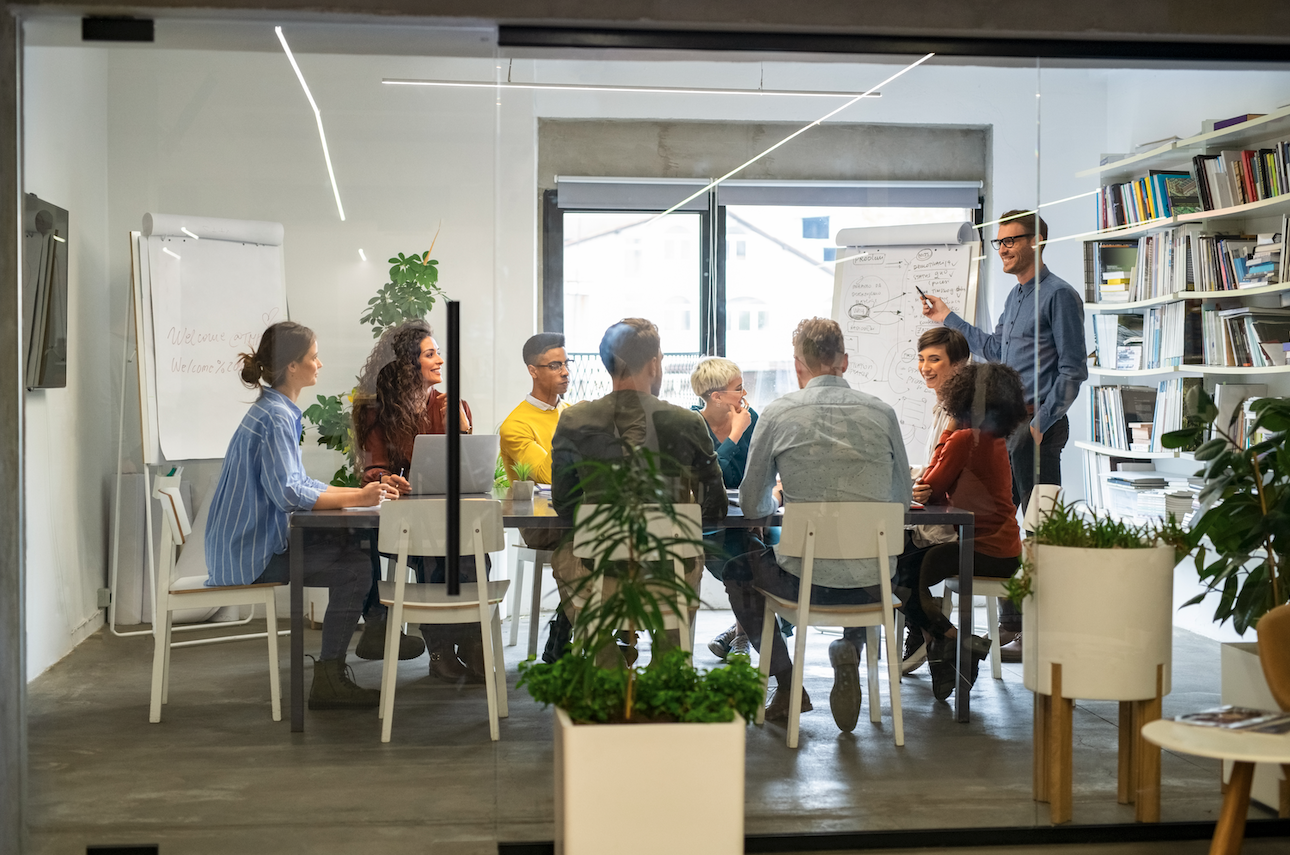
{"x": 969, "y": 470}
{"x": 395, "y": 401}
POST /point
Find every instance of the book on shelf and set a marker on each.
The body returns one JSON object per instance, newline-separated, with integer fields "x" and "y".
{"x": 1118, "y": 339}
{"x": 1180, "y": 190}
{"x": 1247, "y": 336}
{"x": 1230, "y": 399}
{"x": 1177, "y": 406}
{"x": 1115, "y": 410}
{"x": 1109, "y": 267}
{"x": 1219, "y": 124}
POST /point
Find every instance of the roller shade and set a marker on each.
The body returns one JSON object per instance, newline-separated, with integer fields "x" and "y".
{"x": 593, "y": 193}
{"x": 854, "y": 194}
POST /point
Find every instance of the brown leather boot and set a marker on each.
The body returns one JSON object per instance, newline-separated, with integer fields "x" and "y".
{"x": 444, "y": 664}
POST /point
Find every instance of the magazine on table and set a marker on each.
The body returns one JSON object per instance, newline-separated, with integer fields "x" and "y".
{"x": 1231, "y": 717}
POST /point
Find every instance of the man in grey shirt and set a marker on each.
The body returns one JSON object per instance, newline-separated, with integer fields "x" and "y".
{"x": 828, "y": 443}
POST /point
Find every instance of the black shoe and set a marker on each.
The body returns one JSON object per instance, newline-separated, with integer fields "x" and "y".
{"x": 980, "y": 647}
{"x": 720, "y": 646}
{"x": 915, "y": 650}
{"x": 777, "y": 709}
{"x": 940, "y": 661}
{"x": 558, "y": 638}
{"x": 371, "y": 644}
{"x": 844, "y": 700}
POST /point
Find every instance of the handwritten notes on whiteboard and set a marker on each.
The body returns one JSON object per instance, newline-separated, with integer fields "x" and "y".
{"x": 211, "y": 301}
{"x": 876, "y": 302}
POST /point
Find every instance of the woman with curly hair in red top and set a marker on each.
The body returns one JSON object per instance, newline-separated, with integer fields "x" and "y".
{"x": 395, "y": 401}
{"x": 969, "y": 470}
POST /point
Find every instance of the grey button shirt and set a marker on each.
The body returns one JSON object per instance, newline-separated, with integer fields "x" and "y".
{"x": 828, "y": 443}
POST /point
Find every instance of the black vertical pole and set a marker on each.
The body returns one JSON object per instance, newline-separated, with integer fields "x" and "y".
{"x": 454, "y": 450}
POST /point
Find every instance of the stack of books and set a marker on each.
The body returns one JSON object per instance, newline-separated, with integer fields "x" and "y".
{"x": 1162, "y": 193}
{"x": 1140, "y": 433}
{"x": 1113, "y": 412}
{"x": 1245, "y": 336}
{"x": 1118, "y": 341}
{"x": 1238, "y": 177}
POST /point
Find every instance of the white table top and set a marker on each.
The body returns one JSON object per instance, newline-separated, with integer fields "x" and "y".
{"x": 1219, "y": 743}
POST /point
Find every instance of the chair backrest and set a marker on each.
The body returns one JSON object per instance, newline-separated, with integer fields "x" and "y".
{"x": 427, "y": 521}
{"x": 173, "y": 511}
{"x": 1274, "y": 652}
{"x": 688, "y": 526}
{"x": 842, "y": 529}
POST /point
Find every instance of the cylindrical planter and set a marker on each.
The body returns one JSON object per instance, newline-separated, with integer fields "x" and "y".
{"x": 1106, "y": 615}
{"x": 522, "y": 491}
{"x": 599, "y": 768}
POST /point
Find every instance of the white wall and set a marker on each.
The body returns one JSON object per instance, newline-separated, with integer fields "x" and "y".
{"x": 71, "y": 432}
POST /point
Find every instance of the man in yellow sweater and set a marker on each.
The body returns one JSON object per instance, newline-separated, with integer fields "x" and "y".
{"x": 526, "y": 433}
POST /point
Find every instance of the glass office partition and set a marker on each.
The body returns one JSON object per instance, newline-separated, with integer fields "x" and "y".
{"x": 561, "y": 191}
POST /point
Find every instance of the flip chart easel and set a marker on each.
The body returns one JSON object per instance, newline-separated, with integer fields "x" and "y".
{"x": 876, "y": 302}
{"x": 203, "y": 289}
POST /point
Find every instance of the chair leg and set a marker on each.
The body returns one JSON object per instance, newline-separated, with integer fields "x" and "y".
{"x": 871, "y": 671}
{"x": 486, "y": 635}
{"x": 540, "y": 560}
{"x": 795, "y": 699}
{"x": 763, "y": 659}
{"x": 169, "y": 631}
{"x": 992, "y": 618}
{"x": 517, "y": 583}
{"x": 900, "y": 637}
{"x": 499, "y": 662}
{"x": 893, "y": 679}
{"x": 161, "y": 641}
{"x": 389, "y": 671}
{"x": 271, "y": 631}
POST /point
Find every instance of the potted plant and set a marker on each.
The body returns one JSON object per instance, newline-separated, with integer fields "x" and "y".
{"x": 1241, "y": 535}
{"x": 521, "y": 484}
{"x": 649, "y": 730}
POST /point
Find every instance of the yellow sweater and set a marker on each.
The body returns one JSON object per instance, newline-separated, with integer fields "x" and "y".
{"x": 526, "y": 438}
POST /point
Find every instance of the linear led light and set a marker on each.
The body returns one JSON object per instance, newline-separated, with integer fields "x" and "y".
{"x": 59, "y": 239}
{"x": 593, "y": 87}
{"x": 794, "y": 135}
{"x": 362, "y": 254}
{"x": 322, "y": 135}
{"x": 185, "y": 230}
{"x": 170, "y": 252}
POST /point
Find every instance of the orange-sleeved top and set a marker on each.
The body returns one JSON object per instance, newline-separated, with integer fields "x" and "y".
{"x": 970, "y": 468}
{"x": 378, "y": 458}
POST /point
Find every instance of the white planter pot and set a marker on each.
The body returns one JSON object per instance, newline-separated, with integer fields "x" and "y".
{"x": 1244, "y": 685}
{"x": 1106, "y": 615}
{"x": 630, "y": 789}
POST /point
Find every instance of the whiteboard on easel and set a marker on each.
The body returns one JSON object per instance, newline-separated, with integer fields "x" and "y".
{"x": 876, "y": 302}
{"x": 204, "y": 291}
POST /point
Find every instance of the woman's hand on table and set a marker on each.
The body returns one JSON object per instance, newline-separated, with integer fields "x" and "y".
{"x": 376, "y": 492}
{"x": 922, "y": 492}
{"x": 398, "y": 482}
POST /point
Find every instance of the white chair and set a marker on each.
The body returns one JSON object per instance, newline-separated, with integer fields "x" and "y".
{"x": 688, "y": 527}
{"x": 190, "y": 592}
{"x": 539, "y": 558}
{"x": 420, "y": 527}
{"x": 993, "y": 591}
{"x": 841, "y": 530}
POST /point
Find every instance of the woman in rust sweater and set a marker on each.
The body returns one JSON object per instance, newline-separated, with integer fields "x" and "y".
{"x": 395, "y": 401}
{"x": 969, "y": 470}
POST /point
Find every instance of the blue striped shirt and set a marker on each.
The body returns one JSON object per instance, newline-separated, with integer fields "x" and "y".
{"x": 263, "y": 480}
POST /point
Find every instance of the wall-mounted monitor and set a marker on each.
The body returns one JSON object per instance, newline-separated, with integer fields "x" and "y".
{"x": 44, "y": 293}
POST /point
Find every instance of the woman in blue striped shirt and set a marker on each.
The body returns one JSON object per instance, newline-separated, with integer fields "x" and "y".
{"x": 262, "y": 482}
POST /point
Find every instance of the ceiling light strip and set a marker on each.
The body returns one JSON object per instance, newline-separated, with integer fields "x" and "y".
{"x": 796, "y": 134}
{"x": 322, "y": 135}
{"x": 592, "y": 87}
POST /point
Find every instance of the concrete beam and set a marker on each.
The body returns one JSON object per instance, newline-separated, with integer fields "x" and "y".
{"x": 13, "y": 646}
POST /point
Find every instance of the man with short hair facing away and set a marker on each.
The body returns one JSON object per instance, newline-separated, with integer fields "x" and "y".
{"x": 828, "y": 443}
{"x": 632, "y": 413}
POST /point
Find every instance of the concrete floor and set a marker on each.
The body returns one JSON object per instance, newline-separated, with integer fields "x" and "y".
{"x": 218, "y": 775}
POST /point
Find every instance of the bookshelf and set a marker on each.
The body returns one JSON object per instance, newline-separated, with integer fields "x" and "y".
{"x": 1261, "y": 216}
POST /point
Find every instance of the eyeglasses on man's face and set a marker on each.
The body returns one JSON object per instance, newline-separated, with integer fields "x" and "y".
{"x": 1007, "y": 242}
{"x": 557, "y": 366}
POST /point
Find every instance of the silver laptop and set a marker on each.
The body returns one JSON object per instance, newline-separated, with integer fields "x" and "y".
{"x": 428, "y": 473}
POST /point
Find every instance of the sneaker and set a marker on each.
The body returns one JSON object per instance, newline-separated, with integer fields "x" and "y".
{"x": 720, "y": 646}
{"x": 371, "y": 644}
{"x": 334, "y": 688}
{"x": 777, "y": 709}
{"x": 739, "y": 646}
{"x": 915, "y": 650}
{"x": 844, "y": 700}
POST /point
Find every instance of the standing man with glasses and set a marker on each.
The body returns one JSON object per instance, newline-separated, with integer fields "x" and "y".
{"x": 1063, "y": 364}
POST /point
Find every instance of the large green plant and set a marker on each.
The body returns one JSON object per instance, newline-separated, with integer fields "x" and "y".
{"x": 635, "y": 533}
{"x": 1245, "y": 510}
{"x": 411, "y": 293}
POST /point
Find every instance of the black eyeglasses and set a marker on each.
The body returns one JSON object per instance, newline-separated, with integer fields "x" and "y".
{"x": 1007, "y": 242}
{"x": 557, "y": 366}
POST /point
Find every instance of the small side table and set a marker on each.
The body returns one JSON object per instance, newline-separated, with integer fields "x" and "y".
{"x": 1242, "y": 747}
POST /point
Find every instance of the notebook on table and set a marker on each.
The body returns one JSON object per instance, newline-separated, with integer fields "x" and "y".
{"x": 428, "y": 472}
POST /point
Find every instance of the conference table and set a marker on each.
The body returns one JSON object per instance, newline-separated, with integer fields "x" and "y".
{"x": 540, "y": 514}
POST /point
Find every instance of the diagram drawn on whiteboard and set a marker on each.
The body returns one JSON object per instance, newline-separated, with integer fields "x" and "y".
{"x": 877, "y": 304}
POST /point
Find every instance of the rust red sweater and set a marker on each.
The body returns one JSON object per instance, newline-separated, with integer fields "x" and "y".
{"x": 971, "y": 469}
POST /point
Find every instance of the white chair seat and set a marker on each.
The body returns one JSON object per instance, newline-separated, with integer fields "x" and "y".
{"x": 841, "y": 610}
{"x": 993, "y": 591}
{"x": 446, "y": 609}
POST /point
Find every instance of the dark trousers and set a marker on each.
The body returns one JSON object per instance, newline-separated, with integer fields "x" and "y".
{"x": 759, "y": 569}
{"x": 940, "y": 562}
{"x": 346, "y": 586}
{"x": 1021, "y": 453}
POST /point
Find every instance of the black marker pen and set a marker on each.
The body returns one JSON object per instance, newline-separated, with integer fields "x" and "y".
{"x": 921, "y": 295}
